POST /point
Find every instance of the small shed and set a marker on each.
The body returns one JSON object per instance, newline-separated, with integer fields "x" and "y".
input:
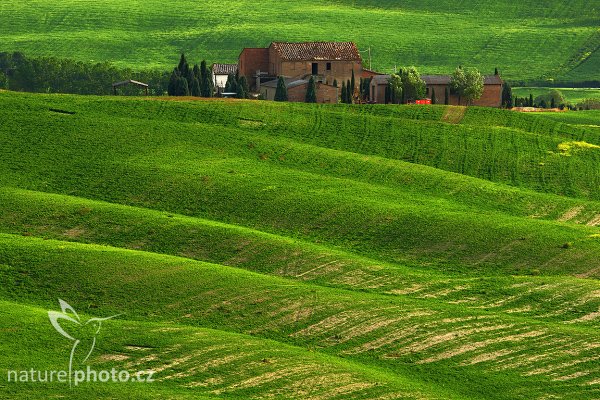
{"x": 220, "y": 73}
{"x": 129, "y": 82}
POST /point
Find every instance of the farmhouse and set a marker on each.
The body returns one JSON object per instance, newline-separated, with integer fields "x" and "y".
{"x": 438, "y": 84}
{"x": 220, "y": 73}
{"x": 326, "y": 61}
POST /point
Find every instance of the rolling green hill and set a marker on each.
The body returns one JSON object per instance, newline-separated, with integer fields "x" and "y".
{"x": 526, "y": 39}
{"x": 279, "y": 250}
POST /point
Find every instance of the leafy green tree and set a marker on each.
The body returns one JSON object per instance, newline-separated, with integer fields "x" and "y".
{"x": 396, "y": 88}
{"x": 311, "y": 91}
{"x": 413, "y": 87}
{"x": 554, "y": 95}
{"x": 281, "y": 93}
{"x": 467, "y": 84}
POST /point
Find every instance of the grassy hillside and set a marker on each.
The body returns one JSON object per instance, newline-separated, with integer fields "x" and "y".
{"x": 526, "y": 40}
{"x": 265, "y": 250}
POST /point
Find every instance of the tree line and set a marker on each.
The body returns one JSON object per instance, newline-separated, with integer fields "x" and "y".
{"x": 58, "y": 75}
{"x": 191, "y": 81}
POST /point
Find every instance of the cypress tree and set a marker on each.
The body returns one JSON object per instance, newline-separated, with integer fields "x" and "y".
{"x": 349, "y": 92}
{"x": 281, "y": 91}
{"x": 552, "y": 103}
{"x": 243, "y": 92}
{"x": 433, "y": 101}
{"x": 231, "y": 85}
{"x": 196, "y": 71}
{"x": 172, "y": 88}
{"x": 335, "y": 83}
{"x": 530, "y": 100}
{"x": 182, "y": 87}
{"x": 446, "y": 96}
{"x": 205, "y": 78}
{"x": 496, "y": 71}
{"x": 183, "y": 67}
{"x": 352, "y": 84}
{"x": 361, "y": 88}
{"x": 388, "y": 93}
{"x": 311, "y": 91}
{"x": 344, "y": 93}
{"x": 196, "y": 92}
{"x": 507, "y": 98}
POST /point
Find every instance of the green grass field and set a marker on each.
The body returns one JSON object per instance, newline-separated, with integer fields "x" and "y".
{"x": 526, "y": 40}
{"x": 294, "y": 251}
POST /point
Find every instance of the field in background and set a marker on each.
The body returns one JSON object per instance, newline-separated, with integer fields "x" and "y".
{"x": 571, "y": 95}
{"x": 279, "y": 250}
{"x": 526, "y": 40}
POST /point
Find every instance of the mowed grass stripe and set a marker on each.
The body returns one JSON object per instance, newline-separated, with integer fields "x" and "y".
{"x": 191, "y": 361}
{"x": 412, "y": 338}
{"x": 44, "y": 215}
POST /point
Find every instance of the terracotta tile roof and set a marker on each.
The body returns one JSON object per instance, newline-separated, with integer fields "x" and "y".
{"x": 224, "y": 69}
{"x": 343, "y": 51}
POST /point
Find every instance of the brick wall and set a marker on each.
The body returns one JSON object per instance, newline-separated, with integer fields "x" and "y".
{"x": 252, "y": 60}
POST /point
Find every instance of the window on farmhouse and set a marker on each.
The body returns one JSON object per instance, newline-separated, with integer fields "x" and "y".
{"x": 328, "y": 66}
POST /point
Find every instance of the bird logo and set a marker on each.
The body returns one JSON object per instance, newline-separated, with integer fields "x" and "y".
{"x": 77, "y": 331}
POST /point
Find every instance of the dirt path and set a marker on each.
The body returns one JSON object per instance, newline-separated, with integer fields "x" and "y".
{"x": 454, "y": 114}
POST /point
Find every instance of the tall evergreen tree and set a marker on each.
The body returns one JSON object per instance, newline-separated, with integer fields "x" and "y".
{"x": 496, "y": 71}
{"x": 172, "y": 88}
{"x": 344, "y": 96}
{"x": 433, "y": 99}
{"x": 446, "y": 96}
{"x": 335, "y": 83}
{"x": 183, "y": 67}
{"x": 530, "y": 100}
{"x": 205, "y": 78}
{"x": 195, "y": 90}
{"x": 182, "y": 87}
{"x": 243, "y": 92}
{"x": 232, "y": 84}
{"x": 311, "y": 91}
{"x": 552, "y": 103}
{"x": 281, "y": 91}
{"x": 349, "y": 92}
{"x": 388, "y": 93}
{"x": 507, "y": 97}
{"x": 352, "y": 84}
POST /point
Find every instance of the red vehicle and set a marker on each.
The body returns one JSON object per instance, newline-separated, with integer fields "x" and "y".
{"x": 424, "y": 101}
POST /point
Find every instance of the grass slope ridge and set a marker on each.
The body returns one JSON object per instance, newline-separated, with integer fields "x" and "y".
{"x": 527, "y": 40}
